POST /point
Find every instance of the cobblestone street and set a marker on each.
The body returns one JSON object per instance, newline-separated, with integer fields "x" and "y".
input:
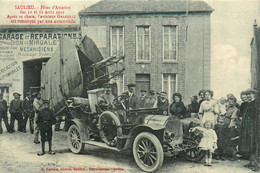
{"x": 19, "y": 154}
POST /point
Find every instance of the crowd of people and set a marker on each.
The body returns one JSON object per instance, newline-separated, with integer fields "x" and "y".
{"x": 228, "y": 129}
{"x": 35, "y": 109}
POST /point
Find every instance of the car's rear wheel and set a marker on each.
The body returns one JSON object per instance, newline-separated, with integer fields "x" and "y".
{"x": 75, "y": 140}
{"x": 148, "y": 152}
{"x": 192, "y": 152}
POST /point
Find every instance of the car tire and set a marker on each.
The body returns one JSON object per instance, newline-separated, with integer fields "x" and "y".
{"x": 117, "y": 128}
{"x": 75, "y": 140}
{"x": 148, "y": 152}
{"x": 194, "y": 154}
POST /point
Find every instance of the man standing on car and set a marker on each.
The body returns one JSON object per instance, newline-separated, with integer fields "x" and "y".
{"x": 3, "y": 114}
{"x": 27, "y": 109}
{"x": 37, "y": 103}
{"x": 16, "y": 112}
{"x": 45, "y": 121}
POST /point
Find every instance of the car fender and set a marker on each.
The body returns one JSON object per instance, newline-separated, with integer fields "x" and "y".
{"x": 83, "y": 127}
{"x": 157, "y": 130}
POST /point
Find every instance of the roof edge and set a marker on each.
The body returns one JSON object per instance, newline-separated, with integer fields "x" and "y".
{"x": 81, "y": 13}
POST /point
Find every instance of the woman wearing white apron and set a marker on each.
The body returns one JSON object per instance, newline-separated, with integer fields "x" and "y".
{"x": 209, "y": 108}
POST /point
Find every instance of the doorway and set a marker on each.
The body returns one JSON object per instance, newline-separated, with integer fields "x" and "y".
{"x": 32, "y": 75}
{"x": 142, "y": 83}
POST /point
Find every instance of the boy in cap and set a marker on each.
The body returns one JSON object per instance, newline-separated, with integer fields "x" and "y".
{"x": 3, "y": 114}
{"x": 16, "y": 111}
{"x": 45, "y": 121}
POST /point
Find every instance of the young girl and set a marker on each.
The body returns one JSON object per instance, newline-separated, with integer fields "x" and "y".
{"x": 208, "y": 142}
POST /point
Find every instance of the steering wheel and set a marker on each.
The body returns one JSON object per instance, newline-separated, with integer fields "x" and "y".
{"x": 119, "y": 102}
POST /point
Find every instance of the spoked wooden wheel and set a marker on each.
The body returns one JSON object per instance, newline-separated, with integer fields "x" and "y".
{"x": 75, "y": 140}
{"x": 148, "y": 152}
{"x": 192, "y": 152}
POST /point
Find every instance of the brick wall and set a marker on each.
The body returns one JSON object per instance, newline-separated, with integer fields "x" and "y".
{"x": 193, "y": 71}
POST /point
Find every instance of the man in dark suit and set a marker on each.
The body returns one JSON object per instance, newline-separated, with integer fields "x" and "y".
{"x": 16, "y": 112}
{"x": 142, "y": 99}
{"x": 129, "y": 98}
{"x": 3, "y": 114}
{"x": 249, "y": 130}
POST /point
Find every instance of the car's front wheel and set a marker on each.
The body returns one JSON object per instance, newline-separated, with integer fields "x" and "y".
{"x": 148, "y": 152}
{"x": 192, "y": 152}
{"x": 74, "y": 139}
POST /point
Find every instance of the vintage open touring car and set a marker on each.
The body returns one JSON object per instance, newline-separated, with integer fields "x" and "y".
{"x": 148, "y": 134}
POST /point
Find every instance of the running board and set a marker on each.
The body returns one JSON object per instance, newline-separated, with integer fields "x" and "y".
{"x": 101, "y": 144}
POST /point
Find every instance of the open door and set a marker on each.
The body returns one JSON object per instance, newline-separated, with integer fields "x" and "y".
{"x": 32, "y": 75}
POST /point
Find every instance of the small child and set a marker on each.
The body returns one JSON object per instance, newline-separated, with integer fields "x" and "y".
{"x": 221, "y": 130}
{"x": 208, "y": 142}
{"x": 222, "y": 105}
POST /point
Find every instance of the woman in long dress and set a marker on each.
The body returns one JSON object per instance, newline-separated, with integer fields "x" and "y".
{"x": 209, "y": 109}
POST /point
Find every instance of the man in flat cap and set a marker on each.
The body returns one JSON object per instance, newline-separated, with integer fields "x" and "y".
{"x": 142, "y": 98}
{"x": 105, "y": 100}
{"x": 45, "y": 121}
{"x": 27, "y": 109}
{"x": 3, "y": 114}
{"x": 249, "y": 131}
{"x": 16, "y": 111}
{"x": 129, "y": 97}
